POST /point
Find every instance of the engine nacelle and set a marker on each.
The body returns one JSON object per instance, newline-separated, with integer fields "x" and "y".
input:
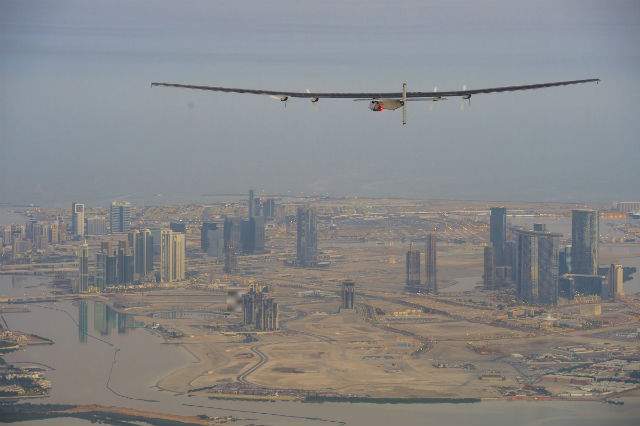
{"x": 376, "y": 106}
{"x": 385, "y": 104}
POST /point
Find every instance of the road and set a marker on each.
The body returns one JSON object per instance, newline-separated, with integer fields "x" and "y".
{"x": 242, "y": 377}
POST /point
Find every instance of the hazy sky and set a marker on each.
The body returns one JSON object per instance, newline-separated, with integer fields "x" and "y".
{"x": 78, "y": 119}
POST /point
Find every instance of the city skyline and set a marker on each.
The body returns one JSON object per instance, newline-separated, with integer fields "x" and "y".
{"x": 199, "y": 226}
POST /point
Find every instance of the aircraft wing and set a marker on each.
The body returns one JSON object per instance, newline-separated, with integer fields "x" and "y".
{"x": 377, "y": 95}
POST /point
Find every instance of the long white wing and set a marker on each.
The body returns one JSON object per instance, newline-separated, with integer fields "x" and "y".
{"x": 377, "y": 95}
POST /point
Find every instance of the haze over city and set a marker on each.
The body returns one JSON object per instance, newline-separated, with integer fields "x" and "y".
{"x": 79, "y": 120}
{"x": 345, "y": 212}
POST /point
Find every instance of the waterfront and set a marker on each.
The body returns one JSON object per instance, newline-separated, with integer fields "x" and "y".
{"x": 89, "y": 336}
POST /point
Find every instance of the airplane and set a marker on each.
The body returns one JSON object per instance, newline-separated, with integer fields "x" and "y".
{"x": 380, "y": 101}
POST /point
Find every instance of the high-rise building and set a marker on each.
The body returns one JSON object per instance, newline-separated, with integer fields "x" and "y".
{"x": 628, "y": 206}
{"x": 96, "y": 225}
{"x": 548, "y": 250}
{"x": 40, "y": 236}
{"x": 412, "y": 280}
{"x": 348, "y": 294}
{"x": 178, "y": 226}
{"x": 77, "y": 220}
{"x": 28, "y": 228}
{"x": 564, "y": 260}
{"x": 252, "y": 235}
{"x": 615, "y": 282}
{"x": 230, "y": 258}
{"x": 126, "y": 263}
{"x": 581, "y": 284}
{"x": 251, "y": 205}
{"x": 232, "y": 232}
{"x": 107, "y": 266}
{"x": 509, "y": 253}
{"x": 537, "y": 266}
{"x": 172, "y": 256}
{"x": 306, "y": 237}
{"x": 54, "y": 233}
{"x": 269, "y": 208}
{"x": 488, "y": 277}
{"x": 231, "y": 240}
{"x": 83, "y": 268}
{"x": 584, "y": 242}
{"x": 215, "y": 243}
{"x": 63, "y": 235}
{"x": 142, "y": 243}
{"x": 204, "y": 240}
{"x": 498, "y": 233}
{"x": 539, "y": 227}
{"x": 120, "y": 217}
{"x": 430, "y": 267}
{"x": 6, "y": 235}
{"x": 259, "y": 309}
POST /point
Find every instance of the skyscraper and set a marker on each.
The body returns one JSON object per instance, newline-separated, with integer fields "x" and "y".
{"x": 231, "y": 237}
{"x": 178, "y": 226}
{"x": 498, "y": 233}
{"x": 259, "y": 309}
{"x": 126, "y": 263}
{"x": 251, "y": 205}
{"x": 430, "y": 268}
{"x": 584, "y": 242}
{"x": 120, "y": 217}
{"x": 269, "y": 208}
{"x": 509, "y": 253}
{"x": 615, "y": 282}
{"x": 412, "y": 280}
{"x": 232, "y": 232}
{"x": 142, "y": 243}
{"x": 172, "y": 256}
{"x": 537, "y": 266}
{"x": 107, "y": 264}
{"x": 564, "y": 260}
{"x": 230, "y": 258}
{"x": 215, "y": 244}
{"x": 40, "y": 236}
{"x": 77, "y": 220}
{"x": 96, "y": 225}
{"x": 306, "y": 237}
{"x": 548, "y": 265}
{"x": 252, "y": 235}
{"x": 204, "y": 241}
{"x": 488, "y": 277}
{"x": 83, "y": 268}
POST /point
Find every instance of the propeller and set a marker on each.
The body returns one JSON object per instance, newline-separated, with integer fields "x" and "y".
{"x": 464, "y": 98}
{"x": 280, "y": 98}
{"x": 434, "y": 99}
{"x": 314, "y": 101}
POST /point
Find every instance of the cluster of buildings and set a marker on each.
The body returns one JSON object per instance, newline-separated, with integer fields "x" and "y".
{"x": 540, "y": 269}
{"x": 348, "y": 294}
{"x": 235, "y": 236}
{"x": 413, "y": 282}
{"x": 35, "y": 235}
{"x": 130, "y": 256}
{"x": 259, "y": 310}
{"x": 157, "y": 255}
{"x": 119, "y": 220}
